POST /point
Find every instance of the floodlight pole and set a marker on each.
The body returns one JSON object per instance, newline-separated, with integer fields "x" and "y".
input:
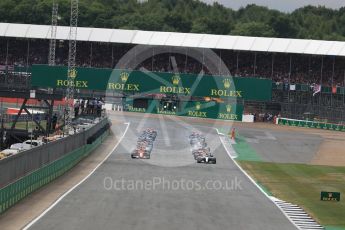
{"x": 71, "y": 72}
{"x": 53, "y": 29}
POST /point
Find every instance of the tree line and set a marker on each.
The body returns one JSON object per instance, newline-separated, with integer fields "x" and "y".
{"x": 185, "y": 16}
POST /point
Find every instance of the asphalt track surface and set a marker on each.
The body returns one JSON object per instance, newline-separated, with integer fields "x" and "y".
{"x": 232, "y": 202}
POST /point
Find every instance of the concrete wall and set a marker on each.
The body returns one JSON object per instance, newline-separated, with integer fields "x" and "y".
{"x": 19, "y": 165}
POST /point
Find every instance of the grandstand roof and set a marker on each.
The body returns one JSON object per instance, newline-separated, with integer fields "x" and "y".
{"x": 282, "y": 45}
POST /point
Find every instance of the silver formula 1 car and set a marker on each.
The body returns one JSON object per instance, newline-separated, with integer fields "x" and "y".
{"x": 207, "y": 159}
{"x": 201, "y": 153}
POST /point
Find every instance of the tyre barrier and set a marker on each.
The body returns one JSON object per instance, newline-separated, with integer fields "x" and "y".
{"x": 16, "y": 191}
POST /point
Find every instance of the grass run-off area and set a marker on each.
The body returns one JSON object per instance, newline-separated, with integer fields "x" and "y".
{"x": 301, "y": 184}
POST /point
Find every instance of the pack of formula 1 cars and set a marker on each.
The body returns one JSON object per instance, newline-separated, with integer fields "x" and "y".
{"x": 200, "y": 151}
{"x": 144, "y": 144}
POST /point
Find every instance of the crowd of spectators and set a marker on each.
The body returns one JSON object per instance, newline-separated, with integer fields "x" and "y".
{"x": 284, "y": 68}
{"x": 14, "y": 80}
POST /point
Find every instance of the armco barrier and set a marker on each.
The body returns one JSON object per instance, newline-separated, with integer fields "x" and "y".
{"x": 310, "y": 124}
{"x": 21, "y": 164}
{"x": 19, "y": 189}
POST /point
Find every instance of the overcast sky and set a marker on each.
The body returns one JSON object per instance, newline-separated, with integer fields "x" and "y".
{"x": 282, "y": 5}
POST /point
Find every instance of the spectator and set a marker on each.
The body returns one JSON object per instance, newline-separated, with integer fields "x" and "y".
{"x": 280, "y": 67}
{"x": 76, "y": 108}
{"x": 54, "y": 122}
{"x": 82, "y": 106}
{"x": 37, "y": 118}
{"x": 99, "y": 107}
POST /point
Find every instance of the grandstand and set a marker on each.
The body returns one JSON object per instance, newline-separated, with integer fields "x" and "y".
{"x": 308, "y": 75}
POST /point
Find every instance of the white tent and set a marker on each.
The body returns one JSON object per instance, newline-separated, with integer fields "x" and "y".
{"x": 227, "y": 42}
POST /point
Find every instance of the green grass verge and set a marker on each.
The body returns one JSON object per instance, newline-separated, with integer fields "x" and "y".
{"x": 334, "y": 228}
{"x": 301, "y": 184}
{"x": 245, "y": 151}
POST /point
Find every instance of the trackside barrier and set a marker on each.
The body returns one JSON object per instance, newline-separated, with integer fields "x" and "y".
{"x": 19, "y": 189}
{"x": 310, "y": 124}
{"x": 23, "y": 163}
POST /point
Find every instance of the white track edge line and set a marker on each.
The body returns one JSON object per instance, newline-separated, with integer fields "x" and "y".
{"x": 31, "y": 223}
{"x": 253, "y": 181}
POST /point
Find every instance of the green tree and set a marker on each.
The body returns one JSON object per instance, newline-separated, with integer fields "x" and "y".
{"x": 283, "y": 26}
{"x": 257, "y": 29}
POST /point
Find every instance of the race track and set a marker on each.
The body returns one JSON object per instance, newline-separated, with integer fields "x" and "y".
{"x": 186, "y": 195}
